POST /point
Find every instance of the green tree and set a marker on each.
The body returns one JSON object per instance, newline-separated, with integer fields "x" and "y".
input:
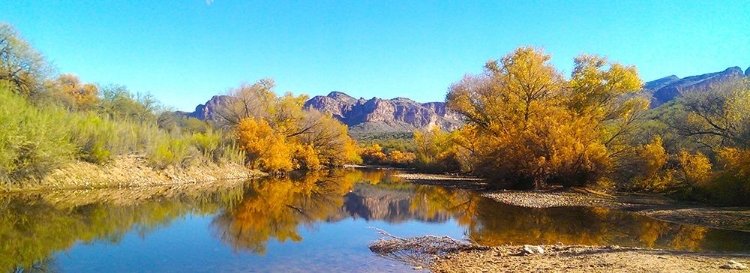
{"x": 22, "y": 68}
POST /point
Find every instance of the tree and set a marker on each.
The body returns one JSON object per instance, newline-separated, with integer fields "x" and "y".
{"x": 278, "y": 134}
{"x": 717, "y": 117}
{"x": 21, "y": 66}
{"x": 77, "y": 95}
{"x": 529, "y": 126}
{"x": 248, "y": 100}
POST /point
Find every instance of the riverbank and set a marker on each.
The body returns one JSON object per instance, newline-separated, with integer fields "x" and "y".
{"x": 653, "y": 205}
{"x": 585, "y": 259}
{"x": 132, "y": 171}
{"x": 559, "y": 258}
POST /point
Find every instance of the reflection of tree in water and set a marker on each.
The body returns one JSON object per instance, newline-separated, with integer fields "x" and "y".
{"x": 275, "y": 207}
{"x": 491, "y": 223}
{"x": 33, "y": 228}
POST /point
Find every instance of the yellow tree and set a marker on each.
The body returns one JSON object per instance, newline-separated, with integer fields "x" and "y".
{"x": 279, "y": 135}
{"x": 78, "y": 95}
{"x": 264, "y": 148}
{"x": 532, "y": 126}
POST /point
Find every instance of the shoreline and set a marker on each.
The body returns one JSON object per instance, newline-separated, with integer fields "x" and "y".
{"x": 560, "y": 258}
{"x": 652, "y": 205}
{"x": 577, "y": 258}
{"x": 130, "y": 172}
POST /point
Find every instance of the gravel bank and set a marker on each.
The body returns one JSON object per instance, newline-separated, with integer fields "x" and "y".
{"x": 585, "y": 259}
{"x": 654, "y": 206}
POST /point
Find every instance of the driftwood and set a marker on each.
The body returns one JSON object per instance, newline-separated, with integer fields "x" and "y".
{"x": 418, "y": 251}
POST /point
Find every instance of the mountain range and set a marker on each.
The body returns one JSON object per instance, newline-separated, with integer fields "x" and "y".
{"x": 667, "y": 88}
{"x": 376, "y": 115}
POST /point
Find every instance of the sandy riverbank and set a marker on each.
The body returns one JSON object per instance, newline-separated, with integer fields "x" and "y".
{"x": 585, "y": 259}
{"x": 132, "y": 171}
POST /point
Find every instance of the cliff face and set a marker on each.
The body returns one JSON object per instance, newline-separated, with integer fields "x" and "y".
{"x": 207, "y": 111}
{"x": 668, "y": 88}
{"x": 399, "y": 114}
{"x": 373, "y": 115}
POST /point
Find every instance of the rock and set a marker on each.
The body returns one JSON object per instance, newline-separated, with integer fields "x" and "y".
{"x": 529, "y": 249}
{"x": 418, "y": 268}
{"x": 399, "y": 114}
{"x": 731, "y": 264}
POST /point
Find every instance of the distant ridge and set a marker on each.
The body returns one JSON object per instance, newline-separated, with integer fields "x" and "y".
{"x": 668, "y": 88}
{"x": 385, "y": 115}
{"x": 363, "y": 116}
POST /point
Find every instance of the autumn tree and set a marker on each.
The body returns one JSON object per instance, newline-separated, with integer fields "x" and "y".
{"x": 438, "y": 151}
{"x": 75, "y": 94}
{"x": 532, "y": 126}
{"x": 715, "y": 126}
{"x": 278, "y": 134}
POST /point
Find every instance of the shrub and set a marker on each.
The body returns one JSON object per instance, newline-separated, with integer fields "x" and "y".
{"x": 31, "y": 142}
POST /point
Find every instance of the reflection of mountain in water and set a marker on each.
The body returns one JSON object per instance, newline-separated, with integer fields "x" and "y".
{"x": 373, "y": 202}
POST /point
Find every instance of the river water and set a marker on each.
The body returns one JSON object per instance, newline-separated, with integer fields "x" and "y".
{"x": 314, "y": 223}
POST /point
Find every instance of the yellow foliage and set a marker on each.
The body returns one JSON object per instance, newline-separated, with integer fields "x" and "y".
{"x": 696, "y": 168}
{"x": 265, "y": 148}
{"x": 284, "y": 136}
{"x": 307, "y": 158}
{"x": 527, "y": 125}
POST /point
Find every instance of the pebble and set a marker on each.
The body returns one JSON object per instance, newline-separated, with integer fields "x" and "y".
{"x": 529, "y": 249}
{"x": 731, "y": 264}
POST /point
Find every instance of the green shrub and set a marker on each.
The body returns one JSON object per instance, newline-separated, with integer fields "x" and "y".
{"x": 31, "y": 141}
{"x": 172, "y": 152}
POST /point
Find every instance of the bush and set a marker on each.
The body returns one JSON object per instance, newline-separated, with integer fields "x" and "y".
{"x": 31, "y": 142}
{"x": 172, "y": 152}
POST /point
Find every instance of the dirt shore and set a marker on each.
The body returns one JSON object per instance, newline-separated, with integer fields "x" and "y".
{"x": 655, "y": 206}
{"x": 131, "y": 171}
{"x": 586, "y": 259}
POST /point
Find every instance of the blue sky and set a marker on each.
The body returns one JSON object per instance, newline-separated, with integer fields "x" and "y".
{"x": 183, "y": 52}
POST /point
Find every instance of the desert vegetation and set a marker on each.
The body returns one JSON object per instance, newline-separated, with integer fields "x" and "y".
{"x": 49, "y": 120}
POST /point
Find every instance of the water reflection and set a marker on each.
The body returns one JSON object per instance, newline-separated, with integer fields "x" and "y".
{"x": 247, "y": 216}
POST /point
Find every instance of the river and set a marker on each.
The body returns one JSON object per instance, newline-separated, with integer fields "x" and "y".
{"x": 314, "y": 223}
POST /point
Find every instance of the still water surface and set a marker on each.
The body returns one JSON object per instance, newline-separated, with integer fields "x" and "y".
{"x": 316, "y": 223}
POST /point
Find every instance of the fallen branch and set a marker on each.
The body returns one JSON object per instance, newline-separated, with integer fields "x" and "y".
{"x": 417, "y": 251}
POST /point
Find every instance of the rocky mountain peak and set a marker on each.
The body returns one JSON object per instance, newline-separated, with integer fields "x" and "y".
{"x": 341, "y": 96}
{"x": 747, "y": 72}
{"x": 385, "y": 115}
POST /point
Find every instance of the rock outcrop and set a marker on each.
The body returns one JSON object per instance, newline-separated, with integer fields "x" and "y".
{"x": 385, "y": 115}
{"x": 373, "y": 115}
{"x": 207, "y": 111}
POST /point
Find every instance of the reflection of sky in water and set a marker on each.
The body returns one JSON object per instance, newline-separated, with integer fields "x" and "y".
{"x": 187, "y": 245}
{"x": 217, "y": 231}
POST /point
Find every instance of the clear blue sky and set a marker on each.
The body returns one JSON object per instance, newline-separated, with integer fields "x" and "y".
{"x": 183, "y": 52}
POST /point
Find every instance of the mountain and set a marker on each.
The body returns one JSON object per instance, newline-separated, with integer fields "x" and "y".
{"x": 363, "y": 116}
{"x": 385, "y": 115}
{"x": 668, "y": 88}
{"x": 207, "y": 111}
